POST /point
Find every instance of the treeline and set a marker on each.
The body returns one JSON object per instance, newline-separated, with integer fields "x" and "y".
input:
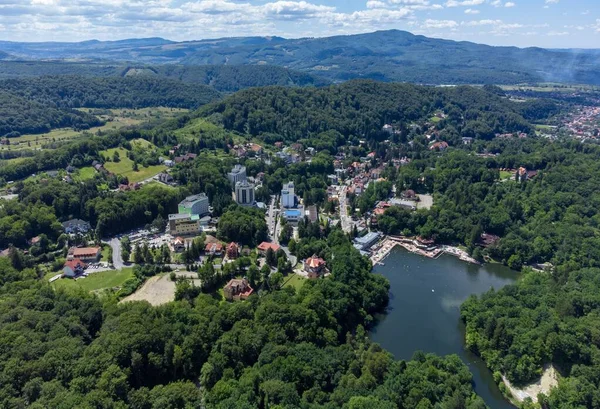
{"x": 286, "y": 349}
{"x": 72, "y": 91}
{"x": 359, "y": 109}
{"x": 224, "y": 78}
{"x": 539, "y": 321}
{"x": 20, "y": 115}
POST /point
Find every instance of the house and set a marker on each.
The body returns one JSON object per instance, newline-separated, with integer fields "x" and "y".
{"x": 73, "y": 268}
{"x": 256, "y": 148}
{"x": 265, "y": 246}
{"x": 35, "y": 241}
{"x": 312, "y": 213}
{"x": 213, "y": 249}
{"x": 177, "y": 245}
{"x": 85, "y": 254}
{"x": 233, "y": 251}
{"x": 99, "y": 167}
{"x": 279, "y": 145}
{"x": 165, "y": 178}
{"x": 467, "y": 140}
{"x": 521, "y": 175}
{"x": 314, "y": 267}
{"x": 388, "y": 129}
{"x": 440, "y": 146}
{"x": 169, "y": 163}
{"x": 237, "y": 289}
{"x": 185, "y": 158}
{"x": 70, "y": 169}
{"x": 76, "y": 226}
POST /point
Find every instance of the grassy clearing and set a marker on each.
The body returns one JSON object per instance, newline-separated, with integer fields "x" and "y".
{"x": 125, "y": 166}
{"x": 105, "y": 253}
{"x": 86, "y": 173}
{"x": 97, "y": 281}
{"x": 294, "y": 280}
{"x": 505, "y": 175}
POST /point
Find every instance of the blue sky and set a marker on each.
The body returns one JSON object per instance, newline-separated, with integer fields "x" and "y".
{"x": 544, "y": 23}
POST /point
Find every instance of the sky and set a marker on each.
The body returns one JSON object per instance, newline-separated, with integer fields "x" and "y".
{"x": 523, "y": 23}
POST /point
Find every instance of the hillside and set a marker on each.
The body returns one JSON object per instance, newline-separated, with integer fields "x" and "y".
{"x": 360, "y": 108}
{"x": 385, "y": 55}
{"x": 222, "y": 78}
{"x": 111, "y": 92}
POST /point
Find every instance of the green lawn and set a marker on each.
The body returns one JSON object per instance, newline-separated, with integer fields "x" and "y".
{"x": 505, "y": 175}
{"x": 294, "y": 280}
{"x": 97, "y": 281}
{"x": 435, "y": 119}
{"x": 105, "y": 251}
{"x": 86, "y": 173}
{"x": 125, "y": 166}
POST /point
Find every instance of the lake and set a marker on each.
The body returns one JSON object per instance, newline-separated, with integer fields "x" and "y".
{"x": 424, "y": 310}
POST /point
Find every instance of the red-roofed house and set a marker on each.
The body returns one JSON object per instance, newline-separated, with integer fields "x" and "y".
{"x": 85, "y": 254}
{"x": 237, "y": 289}
{"x": 441, "y": 146}
{"x": 214, "y": 249}
{"x": 73, "y": 268}
{"x": 265, "y": 246}
{"x": 314, "y": 266}
{"x": 233, "y": 251}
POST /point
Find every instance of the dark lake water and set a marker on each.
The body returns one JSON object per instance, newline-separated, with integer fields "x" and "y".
{"x": 424, "y": 311}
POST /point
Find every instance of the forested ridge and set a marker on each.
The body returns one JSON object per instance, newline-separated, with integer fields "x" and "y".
{"x": 224, "y": 78}
{"x": 360, "y": 108}
{"x": 20, "y": 115}
{"x": 40, "y": 104}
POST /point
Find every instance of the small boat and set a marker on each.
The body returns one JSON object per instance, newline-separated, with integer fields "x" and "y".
{"x": 381, "y": 264}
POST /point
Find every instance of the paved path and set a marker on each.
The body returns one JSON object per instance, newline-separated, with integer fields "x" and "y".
{"x": 345, "y": 220}
{"x": 117, "y": 260}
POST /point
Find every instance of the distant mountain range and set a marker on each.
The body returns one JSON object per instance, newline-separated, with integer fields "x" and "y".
{"x": 384, "y": 55}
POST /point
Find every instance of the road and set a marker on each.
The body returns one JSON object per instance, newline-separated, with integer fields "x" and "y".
{"x": 345, "y": 220}
{"x": 272, "y": 219}
{"x": 117, "y": 260}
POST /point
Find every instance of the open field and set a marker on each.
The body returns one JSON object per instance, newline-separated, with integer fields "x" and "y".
{"x": 125, "y": 166}
{"x": 85, "y": 173}
{"x": 505, "y": 175}
{"x": 96, "y": 281}
{"x": 115, "y": 119}
{"x": 156, "y": 290}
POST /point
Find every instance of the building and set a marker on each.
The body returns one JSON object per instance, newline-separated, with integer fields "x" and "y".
{"x": 165, "y": 178}
{"x": 233, "y": 251}
{"x": 293, "y": 215}
{"x": 185, "y": 158}
{"x": 314, "y": 267}
{"x": 312, "y": 213}
{"x": 177, "y": 245}
{"x": 244, "y": 193}
{"x": 184, "y": 224}
{"x": 73, "y": 268}
{"x": 367, "y": 241}
{"x": 195, "y": 205}
{"x": 288, "y": 197}
{"x": 76, "y": 226}
{"x": 85, "y": 254}
{"x": 213, "y": 249}
{"x": 439, "y": 146}
{"x": 387, "y": 128}
{"x": 237, "y": 289}
{"x": 265, "y": 246}
{"x": 404, "y": 203}
{"x": 237, "y": 174}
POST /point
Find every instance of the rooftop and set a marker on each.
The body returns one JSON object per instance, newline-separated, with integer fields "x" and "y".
{"x": 190, "y": 200}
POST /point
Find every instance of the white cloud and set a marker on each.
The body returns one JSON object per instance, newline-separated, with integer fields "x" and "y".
{"x": 376, "y": 4}
{"x": 558, "y": 33}
{"x": 471, "y": 11}
{"x": 552, "y": 1}
{"x": 440, "y": 24}
{"x": 464, "y": 3}
{"x": 496, "y": 3}
{"x": 509, "y": 4}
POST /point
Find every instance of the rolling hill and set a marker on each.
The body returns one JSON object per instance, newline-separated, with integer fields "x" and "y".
{"x": 384, "y": 55}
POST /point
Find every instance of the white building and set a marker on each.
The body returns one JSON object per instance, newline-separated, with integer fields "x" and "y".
{"x": 237, "y": 174}
{"x": 288, "y": 197}
{"x": 195, "y": 205}
{"x": 244, "y": 193}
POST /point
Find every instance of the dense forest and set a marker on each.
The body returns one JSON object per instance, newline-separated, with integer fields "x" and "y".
{"x": 224, "y": 78}
{"x": 539, "y": 321}
{"x": 306, "y": 349}
{"x": 110, "y": 92}
{"x": 40, "y": 104}
{"x": 359, "y": 109}
{"x": 19, "y": 115}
